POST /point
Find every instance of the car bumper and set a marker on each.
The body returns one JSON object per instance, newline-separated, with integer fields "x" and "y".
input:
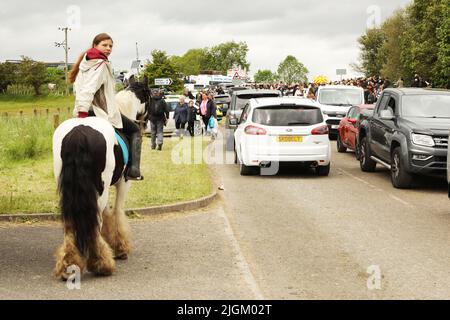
{"x": 435, "y": 162}
{"x": 320, "y": 155}
{"x": 333, "y": 125}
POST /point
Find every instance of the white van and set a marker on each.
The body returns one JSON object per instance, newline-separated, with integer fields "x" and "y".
{"x": 335, "y": 101}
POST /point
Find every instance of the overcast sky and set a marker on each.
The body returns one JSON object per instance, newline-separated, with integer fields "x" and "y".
{"x": 321, "y": 34}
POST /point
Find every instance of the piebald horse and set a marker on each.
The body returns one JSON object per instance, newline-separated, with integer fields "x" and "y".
{"x": 87, "y": 160}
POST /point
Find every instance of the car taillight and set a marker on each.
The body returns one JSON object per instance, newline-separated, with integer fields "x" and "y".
{"x": 257, "y": 131}
{"x": 320, "y": 130}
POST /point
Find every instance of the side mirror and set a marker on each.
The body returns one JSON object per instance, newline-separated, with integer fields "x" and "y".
{"x": 386, "y": 115}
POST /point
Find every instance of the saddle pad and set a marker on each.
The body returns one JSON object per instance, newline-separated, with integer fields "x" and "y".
{"x": 124, "y": 148}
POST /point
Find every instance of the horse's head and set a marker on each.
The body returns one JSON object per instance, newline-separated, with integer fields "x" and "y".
{"x": 143, "y": 94}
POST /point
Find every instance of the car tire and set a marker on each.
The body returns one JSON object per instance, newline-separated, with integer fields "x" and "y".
{"x": 340, "y": 146}
{"x": 365, "y": 162}
{"x": 401, "y": 179}
{"x": 323, "y": 171}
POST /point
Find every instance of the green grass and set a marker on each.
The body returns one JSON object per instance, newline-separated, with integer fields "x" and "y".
{"x": 28, "y": 185}
{"x": 14, "y": 104}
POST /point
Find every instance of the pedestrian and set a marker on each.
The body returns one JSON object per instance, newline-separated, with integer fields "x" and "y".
{"x": 400, "y": 83}
{"x": 180, "y": 116}
{"x": 94, "y": 84}
{"x": 188, "y": 94}
{"x": 159, "y": 114}
{"x": 417, "y": 82}
{"x": 191, "y": 117}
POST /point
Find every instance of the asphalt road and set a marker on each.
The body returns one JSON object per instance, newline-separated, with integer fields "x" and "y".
{"x": 289, "y": 236}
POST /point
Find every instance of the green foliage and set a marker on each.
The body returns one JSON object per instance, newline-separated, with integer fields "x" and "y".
{"x": 192, "y": 62}
{"x": 370, "y": 61}
{"x": 291, "y": 70}
{"x": 8, "y": 75}
{"x": 32, "y": 73}
{"x": 161, "y": 66}
{"x": 413, "y": 40}
{"x": 265, "y": 76}
{"x": 225, "y": 56}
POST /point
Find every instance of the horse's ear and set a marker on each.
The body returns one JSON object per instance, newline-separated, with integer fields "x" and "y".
{"x": 146, "y": 81}
{"x": 132, "y": 79}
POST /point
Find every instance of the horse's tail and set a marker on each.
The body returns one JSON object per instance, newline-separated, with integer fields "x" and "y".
{"x": 83, "y": 153}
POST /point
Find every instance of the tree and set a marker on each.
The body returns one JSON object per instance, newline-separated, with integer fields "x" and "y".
{"x": 390, "y": 52}
{"x": 32, "y": 73}
{"x": 161, "y": 66}
{"x": 191, "y": 62}
{"x": 225, "y": 56}
{"x": 265, "y": 76}
{"x": 8, "y": 75}
{"x": 370, "y": 62}
{"x": 291, "y": 70}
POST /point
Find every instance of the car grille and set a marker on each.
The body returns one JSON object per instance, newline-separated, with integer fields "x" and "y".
{"x": 333, "y": 122}
{"x": 441, "y": 142}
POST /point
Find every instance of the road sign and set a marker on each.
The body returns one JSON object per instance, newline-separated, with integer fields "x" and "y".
{"x": 341, "y": 72}
{"x": 135, "y": 64}
{"x": 163, "y": 82}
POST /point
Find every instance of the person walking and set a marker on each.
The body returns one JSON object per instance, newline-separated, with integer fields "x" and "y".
{"x": 94, "y": 83}
{"x": 159, "y": 114}
{"x": 191, "y": 117}
{"x": 180, "y": 116}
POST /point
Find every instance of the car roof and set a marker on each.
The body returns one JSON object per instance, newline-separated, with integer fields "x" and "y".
{"x": 418, "y": 91}
{"x": 265, "y": 102}
{"x": 255, "y": 91}
{"x": 340, "y": 87}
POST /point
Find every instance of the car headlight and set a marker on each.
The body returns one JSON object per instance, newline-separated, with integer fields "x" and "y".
{"x": 422, "y": 140}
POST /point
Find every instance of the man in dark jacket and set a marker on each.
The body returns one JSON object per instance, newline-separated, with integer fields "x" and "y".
{"x": 159, "y": 113}
{"x": 192, "y": 116}
{"x": 180, "y": 116}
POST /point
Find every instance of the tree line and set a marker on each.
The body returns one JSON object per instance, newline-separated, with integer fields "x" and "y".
{"x": 413, "y": 40}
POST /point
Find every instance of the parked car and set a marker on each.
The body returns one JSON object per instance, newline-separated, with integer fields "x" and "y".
{"x": 238, "y": 101}
{"x": 408, "y": 134}
{"x": 335, "y": 101}
{"x": 223, "y": 103}
{"x": 349, "y": 127}
{"x": 282, "y": 130}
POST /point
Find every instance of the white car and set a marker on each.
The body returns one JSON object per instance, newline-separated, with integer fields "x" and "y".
{"x": 282, "y": 130}
{"x": 335, "y": 101}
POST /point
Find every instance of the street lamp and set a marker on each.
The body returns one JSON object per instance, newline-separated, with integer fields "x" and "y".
{"x": 64, "y": 44}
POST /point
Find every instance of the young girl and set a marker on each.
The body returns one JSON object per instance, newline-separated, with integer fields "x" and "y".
{"x": 94, "y": 83}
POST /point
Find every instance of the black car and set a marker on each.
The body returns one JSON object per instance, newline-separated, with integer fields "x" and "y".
{"x": 408, "y": 133}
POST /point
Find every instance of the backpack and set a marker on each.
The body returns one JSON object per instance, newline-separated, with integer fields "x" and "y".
{"x": 157, "y": 108}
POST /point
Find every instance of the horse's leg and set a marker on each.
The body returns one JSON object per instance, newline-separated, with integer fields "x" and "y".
{"x": 100, "y": 259}
{"x": 68, "y": 255}
{"x": 116, "y": 229}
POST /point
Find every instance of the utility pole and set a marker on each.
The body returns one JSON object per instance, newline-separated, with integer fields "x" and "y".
{"x": 137, "y": 59}
{"x": 66, "y": 49}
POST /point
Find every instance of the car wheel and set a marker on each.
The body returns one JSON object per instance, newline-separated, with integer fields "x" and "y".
{"x": 323, "y": 171}
{"x": 340, "y": 147}
{"x": 400, "y": 178}
{"x": 365, "y": 162}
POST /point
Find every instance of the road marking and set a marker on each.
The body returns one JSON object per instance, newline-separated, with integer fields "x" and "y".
{"x": 241, "y": 261}
{"x": 376, "y": 188}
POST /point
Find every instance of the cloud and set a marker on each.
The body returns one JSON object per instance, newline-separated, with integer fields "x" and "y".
{"x": 320, "y": 34}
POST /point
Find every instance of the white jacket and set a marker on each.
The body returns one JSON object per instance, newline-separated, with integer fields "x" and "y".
{"x": 95, "y": 90}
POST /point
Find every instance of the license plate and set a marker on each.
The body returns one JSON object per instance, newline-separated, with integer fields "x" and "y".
{"x": 290, "y": 139}
{"x": 335, "y": 126}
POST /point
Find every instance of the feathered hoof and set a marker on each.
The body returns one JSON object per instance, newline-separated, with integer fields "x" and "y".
{"x": 121, "y": 256}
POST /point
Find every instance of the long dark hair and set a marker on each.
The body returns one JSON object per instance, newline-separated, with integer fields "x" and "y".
{"x": 76, "y": 68}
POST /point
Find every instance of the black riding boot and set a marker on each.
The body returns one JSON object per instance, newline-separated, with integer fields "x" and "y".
{"x": 134, "y": 172}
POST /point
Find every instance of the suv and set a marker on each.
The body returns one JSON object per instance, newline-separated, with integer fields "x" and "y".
{"x": 408, "y": 134}
{"x": 238, "y": 101}
{"x": 335, "y": 101}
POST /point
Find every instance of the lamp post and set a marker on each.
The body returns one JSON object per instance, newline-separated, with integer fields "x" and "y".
{"x": 66, "y": 49}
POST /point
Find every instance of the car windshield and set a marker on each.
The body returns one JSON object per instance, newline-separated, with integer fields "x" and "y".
{"x": 341, "y": 97}
{"x": 281, "y": 116}
{"x": 242, "y": 100}
{"x": 426, "y": 106}
{"x": 172, "y": 105}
